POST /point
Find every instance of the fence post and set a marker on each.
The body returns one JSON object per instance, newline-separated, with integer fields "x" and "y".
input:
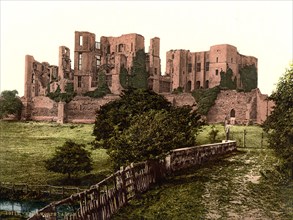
{"x": 123, "y": 184}
{"x": 244, "y": 138}
{"x": 261, "y": 143}
{"x": 134, "y": 181}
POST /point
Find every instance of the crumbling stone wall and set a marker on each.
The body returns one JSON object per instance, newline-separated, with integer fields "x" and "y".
{"x": 180, "y": 99}
{"x": 183, "y": 158}
{"x": 240, "y": 106}
{"x": 82, "y": 109}
{"x": 43, "y": 109}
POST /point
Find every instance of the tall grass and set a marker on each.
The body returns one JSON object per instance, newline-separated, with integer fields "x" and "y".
{"x": 25, "y": 146}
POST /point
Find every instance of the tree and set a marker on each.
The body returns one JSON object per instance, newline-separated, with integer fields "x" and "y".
{"x": 153, "y": 134}
{"x": 10, "y": 104}
{"x": 115, "y": 116}
{"x": 279, "y": 123}
{"x": 143, "y": 125}
{"x": 70, "y": 158}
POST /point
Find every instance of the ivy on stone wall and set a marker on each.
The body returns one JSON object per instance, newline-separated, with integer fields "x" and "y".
{"x": 248, "y": 77}
{"x": 124, "y": 77}
{"x": 139, "y": 75}
{"x": 205, "y": 99}
{"x": 102, "y": 88}
{"x": 227, "y": 81}
{"x": 67, "y": 96}
{"x": 178, "y": 90}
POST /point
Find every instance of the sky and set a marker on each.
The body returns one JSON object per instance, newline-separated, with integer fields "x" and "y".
{"x": 262, "y": 29}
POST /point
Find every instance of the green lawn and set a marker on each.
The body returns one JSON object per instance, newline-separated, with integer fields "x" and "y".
{"x": 253, "y": 136}
{"x": 231, "y": 188}
{"x": 25, "y": 146}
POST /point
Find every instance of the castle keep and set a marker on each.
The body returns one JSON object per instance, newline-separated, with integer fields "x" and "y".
{"x": 118, "y": 62}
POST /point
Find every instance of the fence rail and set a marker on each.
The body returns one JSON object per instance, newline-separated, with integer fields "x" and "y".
{"x": 103, "y": 199}
{"x": 40, "y": 189}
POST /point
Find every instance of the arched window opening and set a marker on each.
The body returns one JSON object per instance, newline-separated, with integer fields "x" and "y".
{"x": 207, "y": 84}
{"x": 188, "y": 86}
{"x": 197, "y": 85}
{"x": 232, "y": 113}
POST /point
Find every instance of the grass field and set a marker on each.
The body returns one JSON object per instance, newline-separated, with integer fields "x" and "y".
{"x": 25, "y": 146}
{"x": 253, "y": 137}
{"x": 231, "y": 188}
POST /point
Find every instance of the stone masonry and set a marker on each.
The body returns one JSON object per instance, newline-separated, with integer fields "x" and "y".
{"x": 184, "y": 69}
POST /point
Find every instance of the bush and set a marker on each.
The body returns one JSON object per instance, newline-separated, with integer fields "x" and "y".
{"x": 71, "y": 158}
{"x": 10, "y": 104}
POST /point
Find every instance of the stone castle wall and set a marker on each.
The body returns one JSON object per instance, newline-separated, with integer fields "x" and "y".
{"x": 242, "y": 108}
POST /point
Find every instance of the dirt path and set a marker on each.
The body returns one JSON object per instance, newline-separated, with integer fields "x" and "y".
{"x": 237, "y": 190}
{"x": 231, "y": 188}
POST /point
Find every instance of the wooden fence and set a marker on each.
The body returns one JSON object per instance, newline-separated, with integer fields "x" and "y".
{"x": 40, "y": 189}
{"x": 106, "y": 197}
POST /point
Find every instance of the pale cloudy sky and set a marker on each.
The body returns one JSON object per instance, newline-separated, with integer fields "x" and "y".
{"x": 258, "y": 28}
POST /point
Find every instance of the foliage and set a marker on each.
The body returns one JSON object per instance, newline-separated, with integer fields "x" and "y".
{"x": 279, "y": 123}
{"x": 152, "y": 134}
{"x": 178, "y": 90}
{"x": 213, "y": 134}
{"x": 248, "y": 77}
{"x": 139, "y": 75}
{"x": 141, "y": 126}
{"x": 102, "y": 88}
{"x": 115, "y": 116}
{"x": 66, "y": 96}
{"x": 124, "y": 78}
{"x": 10, "y": 104}
{"x": 226, "y": 79}
{"x": 71, "y": 158}
{"x": 205, "y": 99}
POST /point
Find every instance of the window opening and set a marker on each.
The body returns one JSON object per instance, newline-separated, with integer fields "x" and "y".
{"x": 79, "y": 61}
{"x": 79, "y": 81}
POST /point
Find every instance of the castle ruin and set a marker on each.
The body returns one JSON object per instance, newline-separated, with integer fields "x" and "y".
{"x": 121, "y": 62}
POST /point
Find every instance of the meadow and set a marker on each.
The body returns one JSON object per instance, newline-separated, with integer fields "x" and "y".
{"x": 25, "y": 145}
{"x": 225, "y": 189}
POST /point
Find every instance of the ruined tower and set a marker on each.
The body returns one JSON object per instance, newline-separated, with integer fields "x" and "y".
{"x": 154, "y": 64}
{"x": 86, "y": 56}
{"x": 65, "y": 73}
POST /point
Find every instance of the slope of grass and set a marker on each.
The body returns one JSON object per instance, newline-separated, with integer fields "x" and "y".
{"x": 244, "y": 186}
{"x": 24, "y": 147}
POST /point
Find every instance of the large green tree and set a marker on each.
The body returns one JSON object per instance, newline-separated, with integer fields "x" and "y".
{"x": 10, "y": 104}
{"x": 142, "y": 125}
{"x": 116, "y": 116}
{"x": 70, "y": 158}
{"x": 280, "y": 123}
